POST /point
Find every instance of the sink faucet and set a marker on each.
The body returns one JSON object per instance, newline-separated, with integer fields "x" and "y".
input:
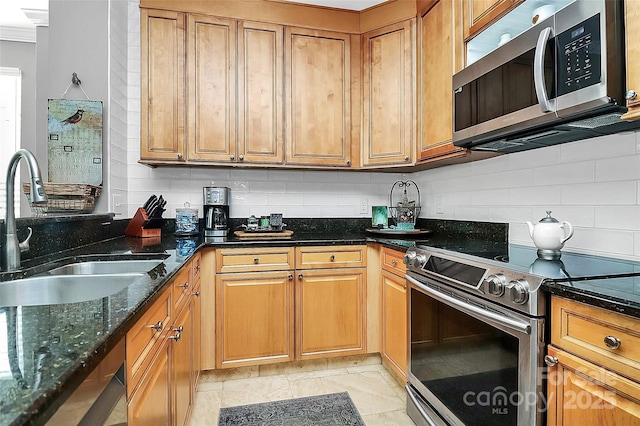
{"x": 10, "y": 246}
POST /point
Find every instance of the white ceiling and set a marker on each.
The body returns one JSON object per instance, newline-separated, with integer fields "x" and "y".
{"x": 18, "y": 19}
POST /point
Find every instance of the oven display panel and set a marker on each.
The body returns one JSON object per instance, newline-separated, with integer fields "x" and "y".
{"x": 468, "y": 274}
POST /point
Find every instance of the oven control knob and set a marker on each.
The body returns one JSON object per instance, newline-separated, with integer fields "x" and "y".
{"x": 495, "y": 284}
{"x": 420, "y": 261}
{"x": 408, "y": 258}
{"x": 519, "y": 291}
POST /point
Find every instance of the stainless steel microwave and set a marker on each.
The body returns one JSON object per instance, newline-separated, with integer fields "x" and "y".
{"x": 561, "y": 80}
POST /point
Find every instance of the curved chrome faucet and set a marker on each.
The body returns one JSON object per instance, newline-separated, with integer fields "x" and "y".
{"x": 10, "y": 246}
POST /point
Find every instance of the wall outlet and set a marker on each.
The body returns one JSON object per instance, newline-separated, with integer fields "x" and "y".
{"x": 364, "y": 206}
{"x": 439, "y": 204}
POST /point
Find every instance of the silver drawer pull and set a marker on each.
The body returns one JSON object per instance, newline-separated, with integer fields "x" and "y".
{"x": 394, "y": 262}
{"x": 197, "y": 293}
{"x": 157, "y": 326}
{"x": 612, "y": 342}
{"x": 332, "y": 257}
{"x": 256, "y": 260}
{"x": 185, "y": 285}
{"x": 550, "y": 360}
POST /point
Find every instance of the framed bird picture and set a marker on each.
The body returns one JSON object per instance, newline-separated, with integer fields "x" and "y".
{"x": 75, "y": 141}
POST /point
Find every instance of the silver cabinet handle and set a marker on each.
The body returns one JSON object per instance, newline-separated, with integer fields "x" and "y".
{"x": 612, "y": 342}
{"x": 241, "y": 157}
{"x": 406, "y": 158}
{"x": 394, "y": 262}
{"x": 290, "y": 276}
{"x": 299, "y": 276}
{"x": 179, "y": 156}
{"x": 332, "y": 257}
{"x": 157, "y": 326}
{"x": 185, "y": 285}
{"x": 232, "y": 157}
{"x": 348, "y": 162}
{"x": 197, "y": 293}
{"x": 256, "y": 260}
{"x": 550, "y": 360}
{"x": 178, "y": 334}
{"x": 630, "y": 95}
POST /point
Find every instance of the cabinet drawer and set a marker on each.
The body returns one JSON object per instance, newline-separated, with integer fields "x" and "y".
{"x": 582, "y": 329}
{"x": 392, "y": 261}
{"x": 255, "y": 259}
{"x": 140, "y": 343}
{"x": 315, "y": 257}
{"x": 181, "y": 286}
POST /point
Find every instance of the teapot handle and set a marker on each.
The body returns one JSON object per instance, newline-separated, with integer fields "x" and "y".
{"x": 566, "y": 225}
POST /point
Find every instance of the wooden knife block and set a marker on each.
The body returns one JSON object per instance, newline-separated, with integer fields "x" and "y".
{"x": 141, "y": 225}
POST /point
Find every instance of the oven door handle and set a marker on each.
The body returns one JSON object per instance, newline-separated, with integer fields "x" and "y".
{"x": 511, "y": 323}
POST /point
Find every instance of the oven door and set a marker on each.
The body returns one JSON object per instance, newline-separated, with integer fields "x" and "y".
{"x": 470, "y": 363}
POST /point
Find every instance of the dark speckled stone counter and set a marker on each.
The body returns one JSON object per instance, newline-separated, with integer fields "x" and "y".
{"x": 616, "y": 294}
{"x": 75, "y": 337}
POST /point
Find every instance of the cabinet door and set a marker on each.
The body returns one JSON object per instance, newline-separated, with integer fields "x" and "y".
{"x": 151, "y": 404}
{"x": 479, "y": 14}
{"x": 632, "y": 41}
{"x": 394, "y": 323}
{"x": 182, "y": 361}
{"x": 435, "y": 92}
{"x": 318, "y": 98}
{"x": 260, "y": 97}
{"x": 330, "y": 315}
{"x": 211, "y": 53}
{"x": 254, "y": 318}
{"x": 162, "y": 86}
{"x": 388, "y": 111}
{"x": 581, "y": 393}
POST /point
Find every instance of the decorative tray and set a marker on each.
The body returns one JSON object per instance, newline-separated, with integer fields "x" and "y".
{"x": 283, "y": 235}
{"x": 394, "y": 231}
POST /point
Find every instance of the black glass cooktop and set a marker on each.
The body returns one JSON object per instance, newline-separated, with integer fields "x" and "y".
{"x": 569, "y": 266}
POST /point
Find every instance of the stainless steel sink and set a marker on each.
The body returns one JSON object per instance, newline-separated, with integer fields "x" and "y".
{"x": 106, "y": 267}
{"x": 57, "y": 289}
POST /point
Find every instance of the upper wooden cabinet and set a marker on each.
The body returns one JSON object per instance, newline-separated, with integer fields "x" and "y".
{"x": 479, "y": 14}
{"x": 162, "y": 85}
{"x": 388, "y": 103}
{"x": 318, "y": 97}
{"x": 211, "y": 82}
{"x": 435, "y": 97}
{"x": 632, "y": 40}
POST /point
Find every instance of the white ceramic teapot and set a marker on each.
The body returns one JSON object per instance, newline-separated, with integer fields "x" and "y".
{"x": 549, "y": 235}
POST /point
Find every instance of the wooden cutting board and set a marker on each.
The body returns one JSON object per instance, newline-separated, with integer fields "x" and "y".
{"x": 264, "y": 235}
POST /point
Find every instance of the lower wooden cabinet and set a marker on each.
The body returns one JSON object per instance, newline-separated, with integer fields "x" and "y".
{"x": 581, "y": 390}
{"x": 151, "y": 404}
{"x": 159, "y": 352}
{"x": 585, "y": 394}
{"x": 254, "y": 318}
{"x": 330, "y": 314}
{"x": 394, "y": 323}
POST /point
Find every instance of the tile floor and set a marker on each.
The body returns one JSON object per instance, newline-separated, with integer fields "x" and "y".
{"x": 379, "y": 397}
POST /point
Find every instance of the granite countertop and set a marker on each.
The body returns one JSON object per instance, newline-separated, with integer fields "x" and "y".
{"x": 75, "y": 337}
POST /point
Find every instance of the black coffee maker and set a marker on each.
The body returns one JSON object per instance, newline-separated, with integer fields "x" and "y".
{"x": 216, "y": 211}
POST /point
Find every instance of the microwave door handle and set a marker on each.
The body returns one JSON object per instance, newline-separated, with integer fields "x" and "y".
{"x": 538, "y": 71}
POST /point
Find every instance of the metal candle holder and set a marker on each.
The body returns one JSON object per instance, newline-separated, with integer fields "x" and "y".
{"x": 404, "y": 212}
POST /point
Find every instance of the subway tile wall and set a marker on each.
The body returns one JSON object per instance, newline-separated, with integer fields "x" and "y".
{"x": 593, "y": 184}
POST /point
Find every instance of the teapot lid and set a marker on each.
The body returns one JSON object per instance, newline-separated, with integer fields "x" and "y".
{"x": 549, "y": 219}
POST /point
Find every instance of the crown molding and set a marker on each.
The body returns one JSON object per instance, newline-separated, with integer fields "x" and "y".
{"x": 25, "y": 35}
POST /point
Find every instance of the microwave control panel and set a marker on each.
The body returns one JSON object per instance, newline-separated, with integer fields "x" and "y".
{"x": 579, "y": 56}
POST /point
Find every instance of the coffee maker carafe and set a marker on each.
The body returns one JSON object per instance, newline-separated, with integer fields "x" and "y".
{"x": 216, "y": 211}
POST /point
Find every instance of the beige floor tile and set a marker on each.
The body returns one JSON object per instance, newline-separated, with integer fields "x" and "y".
{"x": 390, "y": 418}
{"x": 369, "y": 392}
{"x": 206, "y": 409}
{"x": 378, "y": 396}
{"x": 254, "y": 390}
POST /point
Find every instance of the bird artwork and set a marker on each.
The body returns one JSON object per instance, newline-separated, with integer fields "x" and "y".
{"x": 74, "y": 119}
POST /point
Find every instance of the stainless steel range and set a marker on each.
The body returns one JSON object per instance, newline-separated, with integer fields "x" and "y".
{"x": 477, "y": 331}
